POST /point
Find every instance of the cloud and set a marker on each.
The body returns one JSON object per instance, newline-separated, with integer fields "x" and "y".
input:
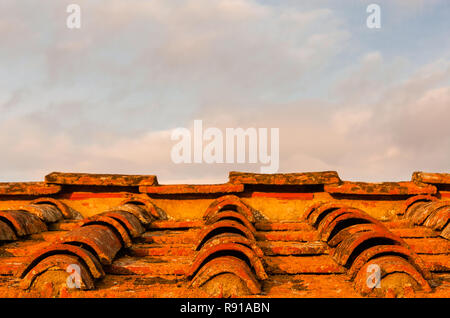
{"x": 400, "y": 128}
{"x": 385, "y": 140}
{"x": 210, "y": 50}
{"x": 105, "y": 98}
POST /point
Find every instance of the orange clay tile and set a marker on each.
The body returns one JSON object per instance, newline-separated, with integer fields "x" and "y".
{"x": 97, "y": 238}
{"x": 389, "y": 264}
{"x": 192, "y": 188}
{"x": 283, "y": 195}
{"x": 22, "y": 222}
{"x": 415, "y": 200}
{"x": 113, "y": 224}
{"x": 128, "y": 220}
{"x": 446, "y": 232}
{"x": 99, "y": 179}
{"x": 380, "y": 250}
{"x": 6, "y": 232}
{"x": 65, "y": 210}
{"x": 60, "y": 262}
{"x": 94, "y": 266}
{"x": 384, "y": 188}
{"x": 46, "y": 212}
{"x": 306, "y": 234}
{"x": 306, "y": 178}
{"x": 433, "y": 178}
{"x": 227, "y": 264}
{"x": 28, "y": 188}
{"x": 230, "y": 215}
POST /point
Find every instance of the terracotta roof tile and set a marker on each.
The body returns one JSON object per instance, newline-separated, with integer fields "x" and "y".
{"x": 114, "y": 225}
{"x": 304, "y": 178}
{"x": 378, "y": 250}
{"x": 67, "y": 211}
{"x": 131, "y": 223}
{"x": 46, "y": 212}
{"x": 100, "y": 179}
{"x": 22, "y": 222}
{"x": 384, "y": 188}
{"x": 28, "y": 188}
{"x": 7, "y": 232}
{"x": 87, "y": 257}
{"x": 192, "y": 188}
{"x": 227, "y": 264}
{"x": 257, "y": 236}
{"x": 61, "y": 262}
{"x": 446, "y": 232}
{"x": 96, "y": 238}
{"x": 429, "y": 177}
{"x": 389, "y": 265}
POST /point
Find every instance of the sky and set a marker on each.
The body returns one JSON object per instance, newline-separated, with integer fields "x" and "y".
{"x": 372, "y": 104}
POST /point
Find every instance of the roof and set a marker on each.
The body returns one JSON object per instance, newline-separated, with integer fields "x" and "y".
{"x": 258, "y": 235}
